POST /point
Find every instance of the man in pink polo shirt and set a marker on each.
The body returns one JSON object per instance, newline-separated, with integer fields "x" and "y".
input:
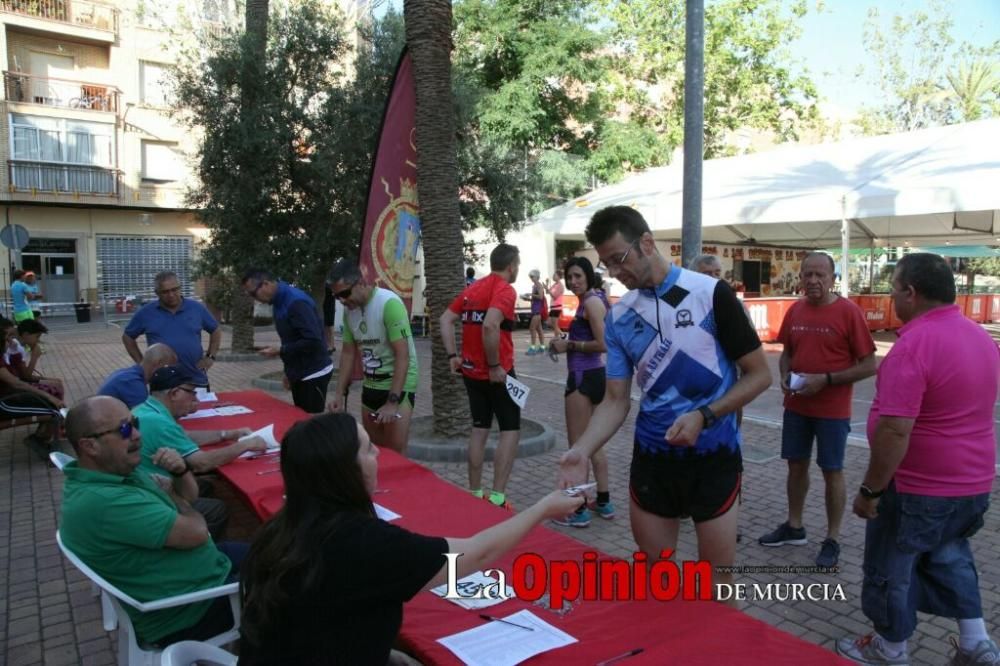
{"x": 928, "y": 482}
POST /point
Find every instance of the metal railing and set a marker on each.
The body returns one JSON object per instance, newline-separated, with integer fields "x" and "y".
{"x": 64, "y": 178}
{"x": 64, "y": 93}
{"x": 74, "y": 12}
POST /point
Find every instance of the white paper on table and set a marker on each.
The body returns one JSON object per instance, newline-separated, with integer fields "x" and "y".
{"x": 267, "y": 434}
{"x": 470, "y": 586}
{"x": 501, "y": 644}
{"x": 200, "y": 414}
{"x": 232, "y": 410}
{"x": 386, "y": 514}
{"x": 208, "y": 412}
{"x": 517, "y": 391}
{"x": 205, "y": 395}
{"x": 796, "y": 382}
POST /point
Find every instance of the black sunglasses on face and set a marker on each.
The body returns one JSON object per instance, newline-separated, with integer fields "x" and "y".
{"x": 345, "y": 293}
{"x": 124, "y": 429}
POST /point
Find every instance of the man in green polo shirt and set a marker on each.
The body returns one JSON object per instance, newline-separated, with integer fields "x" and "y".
{"x": 139, "y": 532}
{"x": 172, "y": 396}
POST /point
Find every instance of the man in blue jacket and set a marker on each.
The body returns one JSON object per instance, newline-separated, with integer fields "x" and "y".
{"x": 303, "y": 351}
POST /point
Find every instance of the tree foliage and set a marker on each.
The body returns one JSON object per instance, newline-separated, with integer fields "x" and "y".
{"x": 925, "y": 76}
{"x": 750, "y": 79}
{"x": 283, "y": 181}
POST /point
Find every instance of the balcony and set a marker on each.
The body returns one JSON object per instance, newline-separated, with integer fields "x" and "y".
{"x": 82, "y": 18}
{"x": 43, "y": 177}
{"x": 60, "y": 93}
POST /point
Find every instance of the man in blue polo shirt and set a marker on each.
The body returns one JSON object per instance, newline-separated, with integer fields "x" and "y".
{"x": 177, "y": 322}
{"x": 130, "y": 384}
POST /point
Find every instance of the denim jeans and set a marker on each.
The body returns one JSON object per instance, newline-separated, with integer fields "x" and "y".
{"x": 798, "y": 432}
{"x": 917, "y": 557}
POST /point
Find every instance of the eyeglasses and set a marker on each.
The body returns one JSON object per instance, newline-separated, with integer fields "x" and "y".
{"x": 603, "y": 266}
{"x": 173, "y": 290}
{"x": 345, "y": 293}
{"x": 124, "y": 429}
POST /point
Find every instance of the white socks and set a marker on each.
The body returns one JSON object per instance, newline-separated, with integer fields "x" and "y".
{"x": 892, "y": 649}
{"x": 971, "y": 633}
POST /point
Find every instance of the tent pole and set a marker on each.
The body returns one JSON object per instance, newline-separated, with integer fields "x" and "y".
{"x": 845, "y": 247}
{"x": 871, "y": 269}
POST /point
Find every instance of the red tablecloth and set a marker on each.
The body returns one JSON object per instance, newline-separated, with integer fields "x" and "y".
{"x": 681, "y": 632}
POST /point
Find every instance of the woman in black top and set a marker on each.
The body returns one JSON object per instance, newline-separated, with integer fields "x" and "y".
{"x": 325, "y": 580}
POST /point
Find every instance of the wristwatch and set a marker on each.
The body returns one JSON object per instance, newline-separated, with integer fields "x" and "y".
{"x": 708, "y": 415}
{"x": 868, "y": 493}
{"x": 393, "y": 398}
{"x": 211, "y": 356}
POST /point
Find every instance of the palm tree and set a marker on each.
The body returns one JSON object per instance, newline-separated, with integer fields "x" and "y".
{"x": 428, "y": 37}
{"x": 255, "y": 25}
{"x": 973, "y": 86}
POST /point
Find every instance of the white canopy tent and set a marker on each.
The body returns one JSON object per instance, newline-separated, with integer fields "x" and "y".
{"x": 928, "y": 187}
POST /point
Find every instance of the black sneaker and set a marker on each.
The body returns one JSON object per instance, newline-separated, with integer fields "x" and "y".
{"x": 829, "y": 553}
{"x": 785, "y": 535}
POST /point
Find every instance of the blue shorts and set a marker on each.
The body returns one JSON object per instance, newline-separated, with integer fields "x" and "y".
{"x": 798, "y": 432}
{"x": 917, "y": 558}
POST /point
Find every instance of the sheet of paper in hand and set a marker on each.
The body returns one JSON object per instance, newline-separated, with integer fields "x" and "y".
{"x": 267, "y": 434}
{"x": 517, "y": 391}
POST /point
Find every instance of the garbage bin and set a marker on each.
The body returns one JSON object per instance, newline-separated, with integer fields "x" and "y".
{"x": 82, "y": 312}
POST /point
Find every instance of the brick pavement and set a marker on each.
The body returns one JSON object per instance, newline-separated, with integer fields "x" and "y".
{"x": 47, "y": 615}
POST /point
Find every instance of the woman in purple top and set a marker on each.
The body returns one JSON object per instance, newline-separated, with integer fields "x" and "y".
{"x": 538, "y": 313}
{"x": 585, "y": 384}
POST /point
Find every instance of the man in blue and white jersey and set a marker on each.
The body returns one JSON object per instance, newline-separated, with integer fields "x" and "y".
{"x": 681, "y": 336}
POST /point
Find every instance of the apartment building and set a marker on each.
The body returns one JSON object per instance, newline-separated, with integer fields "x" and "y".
{"x": 95, "y": 168}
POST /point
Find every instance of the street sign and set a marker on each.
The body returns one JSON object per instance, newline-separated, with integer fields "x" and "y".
{"x": 14, "y": 236}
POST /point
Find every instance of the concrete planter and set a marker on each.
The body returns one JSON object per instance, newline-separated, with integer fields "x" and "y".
{"x": 536, "y": 438}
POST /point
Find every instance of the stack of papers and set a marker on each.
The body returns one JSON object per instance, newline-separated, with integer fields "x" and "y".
{"x": 502, "y": 644}
{"x": 470, "y": 586}
{"x": 267, "y": 434}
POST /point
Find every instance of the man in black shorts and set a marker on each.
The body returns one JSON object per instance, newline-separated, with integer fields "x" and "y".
{"x": 486, "y": 310}
{"x": 681, "y": 336}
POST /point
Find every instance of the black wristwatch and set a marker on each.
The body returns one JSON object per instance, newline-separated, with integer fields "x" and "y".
{"x": 211, "y": 356}
{"x": 393, "y": 398}
{"x": 868, "y": 493}
{"x": 708, "y": 415}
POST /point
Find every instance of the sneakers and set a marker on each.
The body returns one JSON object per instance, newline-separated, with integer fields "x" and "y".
{"x": 785, "y": 535}
{"x": 605, "y": 511}
{"x": 532, "y": 350}
{"x": 986, "y": 652}
{"x": 478, "y": 494}
{"x": 829, "y": 553}
{"x": 581, "y": 519}
{"x": 500, "y": 500}
{"x": 869, "y": 650}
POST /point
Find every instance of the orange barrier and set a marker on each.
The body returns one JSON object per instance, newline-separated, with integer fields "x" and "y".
{"x": 877, "y": 310}
{"x": 767, "y": 315}
{"x": 977, "y": 308}
{"x": 994, "y": 314}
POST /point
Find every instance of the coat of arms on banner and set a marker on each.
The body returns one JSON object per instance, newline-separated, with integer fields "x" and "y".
{"x": 396, "y": 238}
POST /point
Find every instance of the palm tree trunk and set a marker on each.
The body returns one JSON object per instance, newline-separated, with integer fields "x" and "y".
{"x": 255, "y": 24}
{"x": 428, "y": 36}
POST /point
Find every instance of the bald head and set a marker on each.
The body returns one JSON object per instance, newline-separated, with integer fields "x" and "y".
{"x": 91, "y": 415}
{"x": 157, "y": 356}
{"x": 708, "y": 264}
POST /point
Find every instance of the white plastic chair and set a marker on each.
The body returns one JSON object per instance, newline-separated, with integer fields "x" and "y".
{"x": 60, "y": 459}
{"x": 189, "y": 653}
{"x": 129, "y": 651}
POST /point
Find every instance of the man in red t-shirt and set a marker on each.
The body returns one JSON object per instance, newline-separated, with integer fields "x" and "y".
{"x": 827, "y": 347}
{"x": 486, "y": 310}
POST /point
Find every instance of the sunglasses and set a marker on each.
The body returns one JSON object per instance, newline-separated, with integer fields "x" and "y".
{"x": 124, "y": 429}
{"x": 345, "y": 293}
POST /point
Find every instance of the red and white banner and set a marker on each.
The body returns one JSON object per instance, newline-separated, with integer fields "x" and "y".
{"x": 391, "y": 235}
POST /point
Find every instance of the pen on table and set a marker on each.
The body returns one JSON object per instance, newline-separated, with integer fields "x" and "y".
{"x": 497, "y": 619}
{"x": 623, "y": 655}
{"x": 264, "y": 455}
{"x": 269, "y": 471}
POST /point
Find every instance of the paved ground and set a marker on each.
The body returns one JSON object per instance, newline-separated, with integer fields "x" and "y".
{"x": 48, "y": 616}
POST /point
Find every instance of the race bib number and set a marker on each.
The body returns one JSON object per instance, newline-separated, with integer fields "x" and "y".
{"x": 517, "y": 391}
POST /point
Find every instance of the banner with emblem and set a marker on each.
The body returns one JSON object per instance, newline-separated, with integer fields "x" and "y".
{"x": 391, "y": 235}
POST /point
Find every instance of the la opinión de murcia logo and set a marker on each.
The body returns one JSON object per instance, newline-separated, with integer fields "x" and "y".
{"x": 594, "y": 578}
